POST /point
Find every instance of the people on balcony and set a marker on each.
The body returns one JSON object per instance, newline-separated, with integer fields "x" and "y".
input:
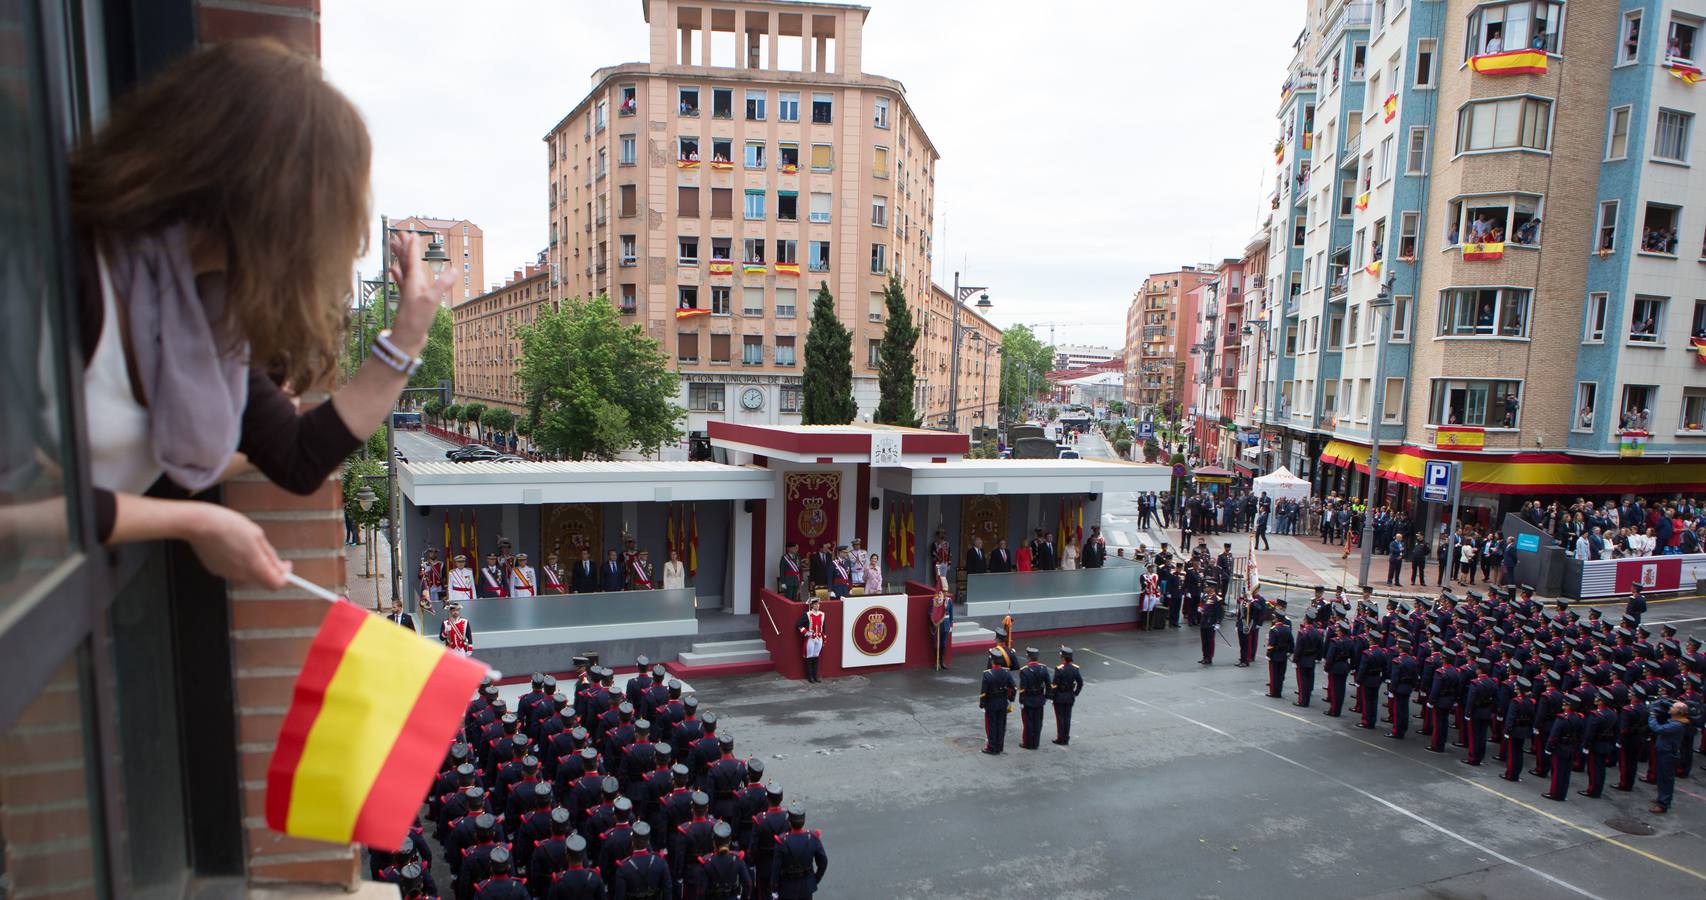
{"x": 1659, "y": 240}
{"x": 1495, "y": 41}
{"x": 1528, "y": 232}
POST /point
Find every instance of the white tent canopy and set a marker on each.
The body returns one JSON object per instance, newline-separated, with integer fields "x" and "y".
{"x": 1280, "y": 484}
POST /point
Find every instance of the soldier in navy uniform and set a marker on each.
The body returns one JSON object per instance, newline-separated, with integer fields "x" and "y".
{"x": 1067, "y": 685}
{"x": 1337, "y": 662}
{"x": 476, "y": 858}
{"x": 1481, "y": 701}
{"x": 1033, "y": 695}
{"x": 1371, "y": 669}
{"x": 576, "y": 881}
{"x": 500, "y": 884}
{"x": 722, "y": 874}
{"x": 788, "y": 572}
{"x": 725, "y": 777}
{"x": 691, "y": 840}
{"x": 1442, "y": 703}
{"x": 550, "y": 855}
{"x": 643, "y": 875}
{"x": 1518, "y": 727}
{"x": 997, "y": 693}
{"x": 798, "y": 864}
{"x": 1403, "y": 675}
{"x": 1209, "y": 616}
{"x": 1563, "y": 743}
{"x": 1599, "y": 739}
{"x": 767, "y": 827}
{"x": 1307, "y": 655}
{"x": 1279, "y": 651}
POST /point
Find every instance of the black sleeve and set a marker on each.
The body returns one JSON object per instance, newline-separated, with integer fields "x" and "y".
{"x": 106, "y": 514}
{"x": 296, "y": 452}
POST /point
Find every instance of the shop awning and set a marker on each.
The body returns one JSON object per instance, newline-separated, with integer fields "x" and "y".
{"x": 1529, "y": 473}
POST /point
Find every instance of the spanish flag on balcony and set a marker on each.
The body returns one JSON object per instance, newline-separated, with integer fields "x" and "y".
{"x": 1459, "y": 437}
{"x": 1372, "y": 268}
{"x": 721, "y": 164}
{"x": 789, "y": 168}
{"x": 788, "y": 269}
{"x": 1484, "y": 250}
{"x": 1688, "y": 73}
{"x": 1699, "y": 355}
{"x": 688, "y": 313}
{"x": 722, "y": 267}
{"x": 1632, "y": 443}
{"x": 1511, "y": 62}
{"x": 687, "y": 164}
{"x": 1362, "y": 200}
{"x": 372, "y": 711}
{"x": 753, "y": 268}
{"x": 1390, "y": 106}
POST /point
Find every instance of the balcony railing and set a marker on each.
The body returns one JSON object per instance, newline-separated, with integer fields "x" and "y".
{"x": 1350, "y": 15}
{"x": 1353, "y": 144}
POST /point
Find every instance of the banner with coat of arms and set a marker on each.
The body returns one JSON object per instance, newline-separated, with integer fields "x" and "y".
{"x": 812, "y": 505}
{"x": 568, "y": 528}
{"x": 873, "y": 630}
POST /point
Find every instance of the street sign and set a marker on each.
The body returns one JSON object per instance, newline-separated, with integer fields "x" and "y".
{"x": 1179, "y": 470}
{"x": 1146, "y": 430}
{"x": 1528, "y": 542}
{"x": 1439, "y": 480}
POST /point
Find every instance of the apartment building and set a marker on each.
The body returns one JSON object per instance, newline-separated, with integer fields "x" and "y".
{"x": 979, "y": 371}
{"x": 1253, "y": 369}
{"x": 1156, "y": 346}
{"x": 764, "y": 103}
{"x": 1517, "y": 175}
{"x": 465, "y": 244}
{"x": 486, "y": 339}
{"x": 1080, "y": 356}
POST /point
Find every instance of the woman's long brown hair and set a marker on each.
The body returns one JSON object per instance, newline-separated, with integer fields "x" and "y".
{"x": 248, "y": 145}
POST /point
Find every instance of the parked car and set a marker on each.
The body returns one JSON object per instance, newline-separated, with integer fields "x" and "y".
{"x": 1069, "y": 454}
{"x": 474, "y": 453}
{"x": 507, "y": 458}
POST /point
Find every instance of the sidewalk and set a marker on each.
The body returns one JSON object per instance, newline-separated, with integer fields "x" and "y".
{"x": 369, "y": 591}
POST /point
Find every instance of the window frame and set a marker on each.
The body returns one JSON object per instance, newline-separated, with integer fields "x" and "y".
{"x": 1660, "y": 323}
{"x": 1439, "y": 398}
{"x": 681, "y": 91}
{"x": 1626, "y": 112}
{"x": 1426, "y": 74}
{"x": 1474, "y": 43}
{"x": 1409, "y": 229}
{"x": 783, "y": 99}
{"x": 1465, "y": 124}
{"x": 758, "y": 112}
{"x": 1599, "y": 228}
{"x": 1685, "y": 138}
{"x": 1631, "y": 22}
{"x": 1596, "y": 308}
{"x": 880, "y": 112}
{"x": 1593, "y": 407}
{"x": 1411, "y": 150}
{"x": 1449, "y": 317}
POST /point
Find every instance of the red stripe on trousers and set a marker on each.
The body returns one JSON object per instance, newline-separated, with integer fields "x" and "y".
{"x": 309, "y": 694}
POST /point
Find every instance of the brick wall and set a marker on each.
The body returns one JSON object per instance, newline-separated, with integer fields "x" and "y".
{"x": 44, "y": 796}
{"x": 270, "y": 631}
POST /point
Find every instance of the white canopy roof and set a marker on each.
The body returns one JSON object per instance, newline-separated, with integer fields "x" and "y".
{"x": 1024, "y": 476}
{"x": 492, "y": 483}
{"x": 1281, "y": 484}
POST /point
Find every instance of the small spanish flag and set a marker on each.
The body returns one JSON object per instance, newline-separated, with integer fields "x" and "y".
{"x": 789, "y": 168}
{"x": 1689, "y": 74}
{"x": 1362, "y": 200}
{"x": 722, "y": 267}
{"x": 1390, "y": 106}
{"x": 688, "y": 313}
{"x": 1510, "y": 62}
{"x": 372, "y": 711}
{"x": 687, "y": 164}
{"x": 1460, "y": 437}
{"x": 787, "y": 268}
{"x": 1484, "y": 250}
{"x": 1372, "y": 268}
{"x": 1699, "y": 349}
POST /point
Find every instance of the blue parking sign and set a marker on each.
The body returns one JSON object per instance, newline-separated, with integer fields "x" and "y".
{"x": 1438, "y": 479}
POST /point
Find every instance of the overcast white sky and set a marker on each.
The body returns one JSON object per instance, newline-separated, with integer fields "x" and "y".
{"x": 1084, "y": 144}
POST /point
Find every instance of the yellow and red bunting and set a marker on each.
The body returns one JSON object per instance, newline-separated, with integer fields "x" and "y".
{"x": 1372, "y": 268}
{"x": 1362, "y": 200}
{"x": 687, "y": 164}
{"x": 722, "y": 267}
{"x": 1390, "y": 106}
{"x": 690, "y": 313}
{"x": 1484, "y": 250}
{"x": 788, "y": 269}
{"x": 371, "y": 713}
{"x": 1699, "y": 349}
{"x": 1510, "y": 62}
{"x": 693, "y": 544}
{"x": 1531, "y": 473}
{"x": 1460, "y": 437}
{"x": 1689, "y": 74}
{"x": 721, "y": 165}
{"x": 753, "y": 268}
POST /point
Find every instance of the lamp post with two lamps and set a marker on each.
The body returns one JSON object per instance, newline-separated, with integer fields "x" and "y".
{"x": 1250, "y": 328}
{"x": 1380, "y": 308}
{"x": 983, "y": 304}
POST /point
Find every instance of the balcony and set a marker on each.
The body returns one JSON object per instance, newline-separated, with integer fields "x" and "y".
{"x": 1349, "y": 15}
{"x": 1348, "y": 155}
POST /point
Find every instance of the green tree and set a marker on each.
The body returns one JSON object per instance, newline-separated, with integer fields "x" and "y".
{"x": 1122, "y": 447}
{"x": 1151, "y": 450}
{"x": 896, "y": 361}
{"x": 359, "y": 472}
{"x": 595, "y": 386}
{"x": 498, "y": 420}
{"x": 437, "y": 361}
{"x": 453, "y": 413}
{"x": 828, "y": 375}
{"x": 433, "y": 408}
{"x": 471, "y": 413}
{"x": 1024, "y": 362}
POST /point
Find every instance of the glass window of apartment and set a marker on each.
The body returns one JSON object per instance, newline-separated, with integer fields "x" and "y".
{"x": 1416, "y": 151}
{"x": 1357, "y": 243}
{"x": 600, "y": 115}
{"x": 823, "y": 156}
{"x": 1593, "y": 318}
{"x": 879, "y": 211}
{"x": 755, "y": 154}
{"x": 722, "y": 103}
{"x": 628, "y": 100}
{"x": 880, "y": 162}
{"x": 1399, "y": 328}
{"x": 1291, "y": 340}
{"x": 785, "y": 357}
{"x": 788, "y": 157}
{"x": 1697, "y": 328}
{"x": 626, "y": 154}
{"x": 1426, "y": 50}
{"x": 752, "y": 350}
{"x": 722, "y": 203}
{"x": 630, "y": 252}
{"x": 720, "y": 247}
{"x": 787, "y": 252}
{"x": 1647, "y": 320}
{"x": 788, "y": 106}
{"x": 1531, "y": 24}
{"x": 1483, "y": 312}
{"x": 1409, "y": 222}
{"x": 823, "y": 109}
{"x": 687, "y": 252}
{"x": 1392, "y": 405}
{"x": 1617, "y": 134}
{"x": 752, "y": 250}
{"x": 1353, "y": 318}
{"x": 1693, "y": 409}
{"x": 785, "y": 300}
{"x": 1511, "y": 218}
{"x": 687, "y": 149}
{"x": 1513, "y": 123}
{"x": 719, "y": 300}
{"x": 703, "y": 397}
{"x": 880, "y": 112}
{"x": 754, "y": 204}
{"x": 627, "y": 202}
{"x": 1671, "y": 140}
{"x": 1637, "y": 408}
{"x": 1359, "y": 60}
{"x": 1299, "y": 227}
{"x": 719, "y": 349}
{"x": 752, "y": 301}
{"x": 874, "y": 306}
{"x": 873, "y": 352}
{"x": 687, "y": 99}
{"x": 1679, "y": 43}
{"x": 722, "y": 150}
{"x": 1335, "y": 333}
{"x": 1488, "y": 404}
{"x": 1658, "y": 229}
{"x": 817, "y": 256}
{"x": 1385, "y": 159}
{"x": 603, "y": 160}
{"x": 687, "y": 201}
{"x": 629, "y": 299}
{"x": 879, "y": 259}
{"x": 1606, "y": 242}
{"x": 1372, "y": 98}
{"x": 820, "y": 207}
{"x": 755, "y": 102}
{"x": 687, "y": 297}
{"x": 1587, "y": 402}
{"x": 1629, "y": 48}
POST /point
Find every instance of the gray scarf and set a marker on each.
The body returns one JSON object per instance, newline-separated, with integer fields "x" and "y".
{"x": 194, "y": 384}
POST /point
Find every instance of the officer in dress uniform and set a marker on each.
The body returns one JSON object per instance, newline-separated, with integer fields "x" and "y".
{"x": 432, "y": 577}
{"x": 788, "y": 572}
{"x": 460, "y": 582}
{"x": 1480, "y": 702}
{"x": 1563, "y": 743}
{"x": 455, "y": 632}
{"x": 1337, "y": 662}
{"x": 1518, "y": 727}
{"x": 493, "y": 582}
{"x": 550, "y": 854}
{"x": 1371, "y": 670}
{"x": 1033, "y": 695}
{"x": 723, "y": 874}
{"x": 1067, "y": 685}
{"x": 799, "y": 862}
{"x": 767, "y": 827}
{"x": 811, "y": 629}
{"x": 551, "y": 576}
{"x": 499, "y": 884}
{"x": 1279, "y": 651}
{"x": 1307, "y": 655}
{"x": 523, "y": 581}
{"x": 997, "y": 693}
{"x": 1209, "y": 616}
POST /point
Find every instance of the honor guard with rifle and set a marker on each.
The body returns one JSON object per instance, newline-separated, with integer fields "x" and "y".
{"x": 1067, "y": 685}
{"x": 994, "y": 700}
{"x": 1034, "y": 684}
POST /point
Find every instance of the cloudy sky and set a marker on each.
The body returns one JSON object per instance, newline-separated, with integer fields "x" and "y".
{"x": 1084, "y": 144}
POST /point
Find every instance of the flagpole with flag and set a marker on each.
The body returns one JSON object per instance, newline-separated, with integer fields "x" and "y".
{"x": 693, "y": 544}
{"x": 474, "y": 539}
{"x": 669, "y": 546}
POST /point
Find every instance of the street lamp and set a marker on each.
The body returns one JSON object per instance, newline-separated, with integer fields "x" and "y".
{"x": 365, "y": 498}
{"x": 983, "y": 407}
{"x": 1380, "y": 307}
{"x": 961, "y": 293}
{"x": 1262, "y": 438}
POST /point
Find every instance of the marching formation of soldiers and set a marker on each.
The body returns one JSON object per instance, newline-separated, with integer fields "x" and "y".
{"x": 593, "y": 790}
{"x": 1578, "y": 695}
{"x": 1034, "y": 686}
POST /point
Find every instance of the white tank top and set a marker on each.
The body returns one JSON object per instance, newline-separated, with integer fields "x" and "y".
{"x": 120, "y": 456}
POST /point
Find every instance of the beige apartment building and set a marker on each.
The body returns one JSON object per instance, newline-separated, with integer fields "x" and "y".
{"x": 1156, "y": 345}
{"x": 980, "y": 364}
{"x": 465, "y": 244}
{"x": 486, "y": 342}
{"x": 711, "y": 189}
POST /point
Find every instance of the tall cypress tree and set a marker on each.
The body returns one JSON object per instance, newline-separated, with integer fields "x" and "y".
{"x": 896, "y": 361}
{"x": 828, "y": 374}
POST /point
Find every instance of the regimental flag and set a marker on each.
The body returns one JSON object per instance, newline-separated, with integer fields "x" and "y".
{"x": 909, "y": 537}
{"x": 1372, "y": 268}
{"x": 1080, "y": 525}
{"x": 1484, "y": 250}
{"x": 687, "y": 164}
{"x": 1459, "y": 437}
{"x": 722, "y": 267}
{"x": 720, "y": 164}
{"x": 461, "y": 534}
{"x": 669, "y": 544}
{"x": 1390, "y": 106}
{"x": 1632, "y": 443}
{"x": 753, "y": 268}
{"x": 788, "y": 269}
{"x": 1510, "y": 62}
{"x": 1362, "y": 200}
{"x": 1689, "y": 74}
{"x": 448, "y": 559}
{"x": 372, "y": 711}
{"x": 693, "y": 543}
{"x": 688, "y": 313}
{"x": 474, "y": 540}
{"x": 1308, "y": 140}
